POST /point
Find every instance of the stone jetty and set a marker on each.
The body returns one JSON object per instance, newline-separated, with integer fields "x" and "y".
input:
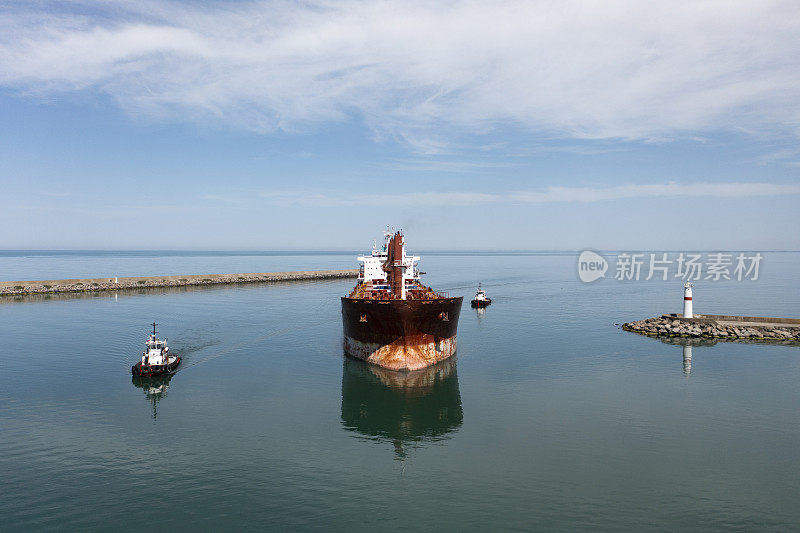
{"x": 722, "y": 327}
{"x": 17, "y": 288}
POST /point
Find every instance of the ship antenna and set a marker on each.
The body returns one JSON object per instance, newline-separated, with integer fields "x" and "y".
{"x": 154, "y": 329}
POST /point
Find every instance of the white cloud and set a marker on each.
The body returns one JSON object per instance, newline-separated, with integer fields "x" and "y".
{"x": 423, "y": 72}
{"x": 550, "y": 194}
{"x": 428, "y": 164}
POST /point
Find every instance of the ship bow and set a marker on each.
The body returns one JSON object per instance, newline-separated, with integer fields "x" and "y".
{"x": 401, "y": 334}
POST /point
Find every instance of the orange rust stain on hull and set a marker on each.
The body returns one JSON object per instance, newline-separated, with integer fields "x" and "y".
{"x": 402, "y": 354}
{"x": 401, "y": 334}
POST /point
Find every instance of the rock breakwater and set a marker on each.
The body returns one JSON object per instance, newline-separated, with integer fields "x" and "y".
{"x": 722, "y": 327}
{"x": 17, "y": 288}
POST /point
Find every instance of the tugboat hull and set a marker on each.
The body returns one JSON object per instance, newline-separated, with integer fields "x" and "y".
{"x": 481, "y": 303}
{"x": 401, "y": 334}
{"x": 155, "y": 370}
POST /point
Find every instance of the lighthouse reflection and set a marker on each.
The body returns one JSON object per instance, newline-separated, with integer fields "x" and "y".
{"x": 686, "y": 344}
{"x": 154, "y": 387}
{"x": 404, "y": 408}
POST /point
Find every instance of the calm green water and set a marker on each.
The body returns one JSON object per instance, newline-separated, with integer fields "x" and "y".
{"x": 550, "y": 417}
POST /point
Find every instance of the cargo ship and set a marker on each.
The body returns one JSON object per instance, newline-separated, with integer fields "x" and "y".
{"x": 391, "y": 319}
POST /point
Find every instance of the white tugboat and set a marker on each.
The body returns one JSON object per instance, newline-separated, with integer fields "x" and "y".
{"x": 156, "y": 359}
{"x": 480, "y": 298}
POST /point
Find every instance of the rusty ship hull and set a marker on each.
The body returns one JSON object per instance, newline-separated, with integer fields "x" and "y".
{"x": 401, "y": 334}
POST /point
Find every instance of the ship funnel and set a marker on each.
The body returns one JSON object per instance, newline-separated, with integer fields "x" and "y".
{"x": 394, "y": 265}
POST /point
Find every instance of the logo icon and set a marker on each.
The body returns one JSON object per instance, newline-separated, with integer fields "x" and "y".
{"x": 591, "y": 266}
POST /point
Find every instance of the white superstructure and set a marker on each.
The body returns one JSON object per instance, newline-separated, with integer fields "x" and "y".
{"x": 156, "y": 351}
{"x": 480, "y": 295}
{"x": 372, "y": 267}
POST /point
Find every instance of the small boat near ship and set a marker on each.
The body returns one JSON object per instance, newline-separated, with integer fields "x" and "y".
{"x": 481, "y": 300}
{"x": 156, "y": 359}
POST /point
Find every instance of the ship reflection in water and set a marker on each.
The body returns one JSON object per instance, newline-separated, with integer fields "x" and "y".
{"x": 155, "y": 388}
{"x": 404, "y": 408}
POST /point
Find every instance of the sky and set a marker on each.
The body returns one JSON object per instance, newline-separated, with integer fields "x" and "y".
{"x": 503, "y": 125}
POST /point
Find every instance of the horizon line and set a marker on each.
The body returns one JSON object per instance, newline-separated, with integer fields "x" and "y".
{"x": 345, "y": 251}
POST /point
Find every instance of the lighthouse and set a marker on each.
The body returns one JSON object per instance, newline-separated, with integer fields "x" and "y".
{"x": 687, "y": 300}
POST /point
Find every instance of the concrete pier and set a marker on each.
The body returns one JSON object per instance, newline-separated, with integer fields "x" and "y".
{"x": 17, "y": 288}
{"x": 723, "y": 327}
